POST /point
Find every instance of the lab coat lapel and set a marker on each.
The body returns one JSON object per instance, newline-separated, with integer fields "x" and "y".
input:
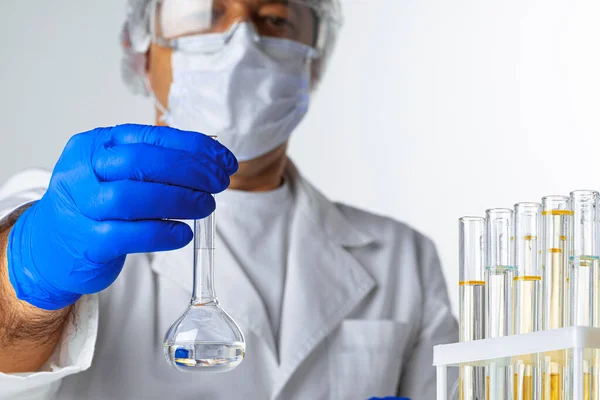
{"x": 235, "y": 291}
{"x": 240, "y": 298}
{"x": 324, "y": 283}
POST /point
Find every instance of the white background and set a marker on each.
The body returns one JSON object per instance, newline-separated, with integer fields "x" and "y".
{"x": 430, "y": 110}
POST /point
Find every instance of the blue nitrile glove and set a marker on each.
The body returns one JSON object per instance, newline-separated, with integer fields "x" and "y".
{"x": 109, "y": 196}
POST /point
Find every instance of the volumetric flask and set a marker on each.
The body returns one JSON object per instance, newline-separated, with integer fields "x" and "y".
{"x": 205, "y": 338}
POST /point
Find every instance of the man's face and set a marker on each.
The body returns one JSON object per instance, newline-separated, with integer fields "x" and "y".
{"x": 271, "y": 18}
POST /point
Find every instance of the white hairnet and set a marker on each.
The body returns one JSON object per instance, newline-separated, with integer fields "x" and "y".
{"x": 136, "y": 38}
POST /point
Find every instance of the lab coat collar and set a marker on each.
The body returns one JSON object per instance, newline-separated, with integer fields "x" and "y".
{"x": 324, "y": 282}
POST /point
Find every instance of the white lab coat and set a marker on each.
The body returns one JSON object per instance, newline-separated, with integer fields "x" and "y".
{"x": 364, "y": 303}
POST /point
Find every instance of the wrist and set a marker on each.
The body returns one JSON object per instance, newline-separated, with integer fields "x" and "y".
{"x": 19, "y": 320}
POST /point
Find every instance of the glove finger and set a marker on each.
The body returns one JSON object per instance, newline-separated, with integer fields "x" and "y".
{"x": 164, "y": 136}
{"x": 147, "y": 163}
{"x": 133, "y": 200}
{"x": 111, "y": 241}
{"x": 114, "y": 239}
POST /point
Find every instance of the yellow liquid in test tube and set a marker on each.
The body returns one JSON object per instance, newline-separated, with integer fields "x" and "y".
{"x": 590, "y": 386}
{"x": 552, "y": 383}
{"x": 553, "y": 369}
{"x": 526, "y": 388}
{"x": 555, "y": 308}
{"x": 523, "y": 378}
{"x": 552, "y": 387}
{"x": 526, "y": 290}
{"x": 524, "y": 368}
{"x": 586, "y": 386}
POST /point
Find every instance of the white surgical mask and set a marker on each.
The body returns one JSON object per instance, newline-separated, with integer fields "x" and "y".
{"x": 250, "y": 91}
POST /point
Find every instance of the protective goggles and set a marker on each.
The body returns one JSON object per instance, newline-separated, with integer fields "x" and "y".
{"x": 309, "y": 22}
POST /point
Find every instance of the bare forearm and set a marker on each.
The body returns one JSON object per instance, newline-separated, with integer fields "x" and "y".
{"x": 28, "y": 335}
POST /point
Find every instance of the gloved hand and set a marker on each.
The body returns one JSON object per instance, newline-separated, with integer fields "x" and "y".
{"x": 110, "y": 195}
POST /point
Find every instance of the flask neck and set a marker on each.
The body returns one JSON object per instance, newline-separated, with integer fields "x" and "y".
{"x": 204, "y": 256}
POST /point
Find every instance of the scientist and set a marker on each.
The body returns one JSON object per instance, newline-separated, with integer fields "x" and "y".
{"x": 335, "y": 302}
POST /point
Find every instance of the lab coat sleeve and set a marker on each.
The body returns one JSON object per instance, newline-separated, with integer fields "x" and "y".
{"x": 20, "y": 191}
{"x": 74, "y": 352}
{"x": 438, "y": 326}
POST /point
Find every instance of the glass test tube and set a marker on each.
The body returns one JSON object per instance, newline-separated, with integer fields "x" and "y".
{"x": 499, "y": 276}
{"x": 526, "y": 294}
{"x": 556, "y": 223}
{"x": 472, "y": 245}
{"x": 584, "y": 278}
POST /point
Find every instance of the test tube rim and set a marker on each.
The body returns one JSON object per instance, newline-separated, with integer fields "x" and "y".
{"x": 527, "y": 204}
{"x": 499, "y": 211}
{"x": 555, "y": 203}
{"x": 588, "y": 191}
{"x": 555, "y": 197}
{"x": 583, "y": 192}
{"x": 470, "y": 218}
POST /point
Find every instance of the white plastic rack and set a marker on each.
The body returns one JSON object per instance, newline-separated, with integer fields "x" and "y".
{"x": 482, "y": 352}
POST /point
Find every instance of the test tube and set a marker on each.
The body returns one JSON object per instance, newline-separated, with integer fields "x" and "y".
{"x": 472, "y": 247}
{"x": 584, "y": 259}
{"x": 499, "y": 276}
{"x": 526, "y": 294}
{"x": 528, "y": 280}
{"x": 556, "y": 222}
{"x": 585, "y": 291}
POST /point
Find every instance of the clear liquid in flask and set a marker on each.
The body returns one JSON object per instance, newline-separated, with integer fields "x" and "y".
{"x": 211, "y": 356}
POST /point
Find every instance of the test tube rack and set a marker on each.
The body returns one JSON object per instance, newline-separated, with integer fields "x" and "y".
{"x": 486, "y": 351}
